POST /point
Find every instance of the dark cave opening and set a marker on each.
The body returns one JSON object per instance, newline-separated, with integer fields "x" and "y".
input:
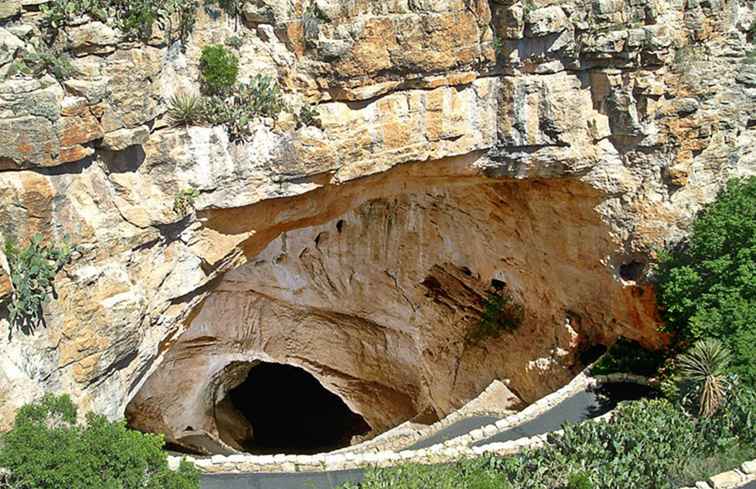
{"x": 291, "y": 412}
{"x": 632, "y": 270}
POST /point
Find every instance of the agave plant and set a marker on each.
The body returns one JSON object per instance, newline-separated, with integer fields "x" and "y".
{"x": 185, "y": 110}
{"x": 704, "y": 369}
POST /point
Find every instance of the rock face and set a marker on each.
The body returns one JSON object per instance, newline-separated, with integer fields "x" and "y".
{"x": 548, "y": 147}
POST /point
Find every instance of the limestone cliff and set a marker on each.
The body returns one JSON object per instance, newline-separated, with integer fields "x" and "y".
{"x": 548, "y": 146}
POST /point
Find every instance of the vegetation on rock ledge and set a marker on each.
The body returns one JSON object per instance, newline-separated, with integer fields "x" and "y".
{"x": 135, "y": 18}
{"x": 33, "y": 269}
{"x": 219, "y": 69}
{"x": 262, "y": 97}
{"x": 501, "y": 314}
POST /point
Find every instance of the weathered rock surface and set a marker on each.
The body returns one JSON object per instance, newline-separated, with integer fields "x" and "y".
{"x": 550, "y": 145}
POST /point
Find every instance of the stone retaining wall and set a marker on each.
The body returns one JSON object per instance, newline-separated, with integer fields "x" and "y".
{"x": 730, "y": 479}
{"x": 449, "y": 451}
{"x": 409, "y": 433}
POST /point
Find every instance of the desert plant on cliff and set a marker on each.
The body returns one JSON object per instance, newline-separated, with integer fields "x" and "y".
{"x": 185, "y": 110}
{"x": 703, "y": 370}
{"x": 32, "y": 270}
{"x": 135, "y": 18}
{"x": 47, "y": 449}
{"x": 308, "y": 116}
{"x": 262, "y": 95}
{"x": 500, "y": 314}
{"x": 183, "y": 203}
{"x": 235, "y": 42}
{"x": 219, "y": 69}
{"x": 707, "y": 286}
{"x": 43, "y": 60}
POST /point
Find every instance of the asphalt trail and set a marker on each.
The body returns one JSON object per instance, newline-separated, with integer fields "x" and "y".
{"x": 299, "y": 480}
{"x": 580, "y": 407}
{"x": 454, "y": 430}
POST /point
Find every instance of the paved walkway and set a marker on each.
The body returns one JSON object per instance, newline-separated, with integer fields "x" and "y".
{"x": 302, "y": 480}
{"x": 580, "y": 407}
{"x": 457, "y": 429}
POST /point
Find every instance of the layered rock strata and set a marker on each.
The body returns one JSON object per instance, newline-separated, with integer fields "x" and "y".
{"x": 550, "y": 146}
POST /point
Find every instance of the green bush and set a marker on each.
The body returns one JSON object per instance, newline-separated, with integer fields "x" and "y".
{"x": 219, "y": 69}
{"x": 135, "y": 18}
{"x": 707, "y": 287}
{"x": 308, "y": 116}
{"x": 500, "y": 314}
{"x": 579, "y": 480}
{"x": 41, "y": 61}
{"x": 263, "y": 96}
{"x": 183, "y": 203}
{"x": 47, "y": 449}
{"x": 473, "y": 474}
{"x": 628, "y": 356}
{"x": 648, "y": 444}
{"x": 32, "y": 272}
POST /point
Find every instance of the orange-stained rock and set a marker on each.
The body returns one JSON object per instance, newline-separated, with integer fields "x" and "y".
{"x": 576, "y": 141}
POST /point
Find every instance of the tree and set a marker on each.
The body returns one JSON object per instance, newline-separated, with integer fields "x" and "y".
{"x": 707, "y": 287}
{"x": 47, "y": 449}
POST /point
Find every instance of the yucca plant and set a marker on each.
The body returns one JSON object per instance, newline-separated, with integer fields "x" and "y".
{"x": 703, "y": 369}
{"x": 185, "y": 110}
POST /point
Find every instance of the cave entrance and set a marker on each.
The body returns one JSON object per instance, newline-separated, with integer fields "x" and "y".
{"x": 291, "y": 412}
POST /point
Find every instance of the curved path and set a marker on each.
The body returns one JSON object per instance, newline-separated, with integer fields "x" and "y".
{"x": 576, "y": 408}
{"x": 580, "y": 407}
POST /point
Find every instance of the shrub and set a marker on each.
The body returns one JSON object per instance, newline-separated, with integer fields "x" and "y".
{"x": 649, "y": 444}
{"x": 234, "y": 41}
{"x": 183, "y": 203}
{"x": 32, "y": 271}
{"x": 263, "y": 96}
{"x": 219, "y": 69}
{"x": 43, "y": 60}
{"x": 472, "y": 474}
{"x": 628, "y": 356}
{"x": 308, "y": 116}
{"x": 706, "y": 286}
{"x": 47, "y": 449}
{"x": 579, "y": 480}
{"x": 135, "y": 18}
{"x": 185, "y": 110}
{"x": 500, "y": 314}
